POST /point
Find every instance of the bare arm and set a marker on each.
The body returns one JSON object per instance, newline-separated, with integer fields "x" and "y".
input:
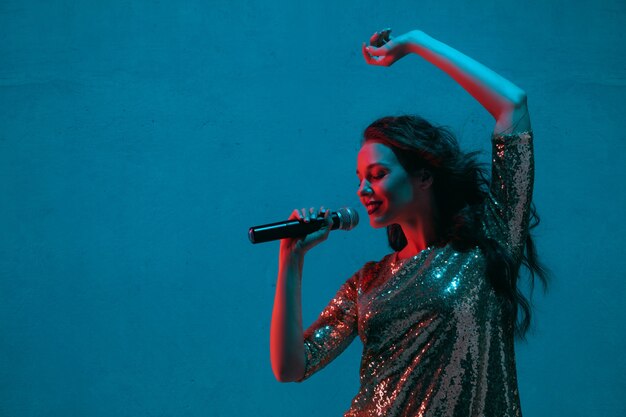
{"x": 286, "y": 340}
{"x": 502, "y": 99}
{"x": 286, "y": 334}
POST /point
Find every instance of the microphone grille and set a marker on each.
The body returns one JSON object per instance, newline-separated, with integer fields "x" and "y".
{"x": 348, "y": 218}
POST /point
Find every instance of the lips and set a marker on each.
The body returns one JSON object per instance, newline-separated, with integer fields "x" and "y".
{"x": 372, "y": 206}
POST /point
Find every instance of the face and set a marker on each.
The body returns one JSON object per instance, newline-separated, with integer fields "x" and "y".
{"x": 387, "y": 191}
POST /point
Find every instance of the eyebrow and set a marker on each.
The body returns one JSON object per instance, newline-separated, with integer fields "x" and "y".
{"x": 371, "y": 165}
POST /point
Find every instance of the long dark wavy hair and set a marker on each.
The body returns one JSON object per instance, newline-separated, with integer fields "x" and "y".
{"x": 460, "y": 186}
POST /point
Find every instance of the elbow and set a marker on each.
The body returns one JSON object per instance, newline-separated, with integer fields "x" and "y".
{"x": 520, "y": 99}
{"x": 285, "y": 379}
{"x": 514, "y": 101}
{"x": 284, "y": 372}
{"x": 281, "y": 376}
{"x": 511, "y": 111}
{"x": 287, "y": 367}
{"x": 286, "y": 376}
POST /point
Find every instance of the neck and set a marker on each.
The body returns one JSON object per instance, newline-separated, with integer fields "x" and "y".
{"x": 419, "y": 236}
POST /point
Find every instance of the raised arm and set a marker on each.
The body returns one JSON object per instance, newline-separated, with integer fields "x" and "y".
{"x": 512, "y": 153}
{"x": 502, "y": 99}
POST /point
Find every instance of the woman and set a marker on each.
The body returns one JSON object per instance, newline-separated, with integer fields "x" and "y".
{"x": 437, "y": 317}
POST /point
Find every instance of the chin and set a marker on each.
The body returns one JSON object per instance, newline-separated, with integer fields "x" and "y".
{"x": 378, "y": 223}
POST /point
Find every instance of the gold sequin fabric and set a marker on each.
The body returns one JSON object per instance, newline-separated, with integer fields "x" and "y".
{"x": 436, "y": 339}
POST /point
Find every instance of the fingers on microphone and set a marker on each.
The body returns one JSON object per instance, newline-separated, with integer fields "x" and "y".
{"x": 300, "y": 215}
{"x": 320, "y": 213}
{"x": 312, "y": 213}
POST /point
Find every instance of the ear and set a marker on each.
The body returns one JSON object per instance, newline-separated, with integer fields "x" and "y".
{"x": 425, "y": 179}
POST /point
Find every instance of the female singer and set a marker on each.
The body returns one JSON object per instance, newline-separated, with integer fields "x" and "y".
{"x": 438, "y": 316}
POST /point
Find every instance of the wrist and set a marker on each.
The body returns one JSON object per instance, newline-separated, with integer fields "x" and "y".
{"x": 417, "y": 39}
{"x": 291, "y": 258}
{"x": 417, "y": 36}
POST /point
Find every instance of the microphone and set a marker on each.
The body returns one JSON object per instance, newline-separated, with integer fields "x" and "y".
{"x": 345, "y": 219}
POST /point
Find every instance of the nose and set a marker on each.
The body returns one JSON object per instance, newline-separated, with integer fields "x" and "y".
{"x": 364, "y": 189}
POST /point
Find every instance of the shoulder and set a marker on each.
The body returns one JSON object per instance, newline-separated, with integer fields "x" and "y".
{"x": 370, "y": 271}
{"x": 372, "y": 267}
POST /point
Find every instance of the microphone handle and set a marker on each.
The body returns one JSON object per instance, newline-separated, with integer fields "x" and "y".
{"x": 288, "y": 229}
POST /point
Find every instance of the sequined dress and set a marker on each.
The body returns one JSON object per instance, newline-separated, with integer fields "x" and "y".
{"x": 436, "y": 341}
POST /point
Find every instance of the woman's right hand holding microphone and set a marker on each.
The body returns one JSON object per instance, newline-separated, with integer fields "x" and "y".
{"x": 301, "y": 245}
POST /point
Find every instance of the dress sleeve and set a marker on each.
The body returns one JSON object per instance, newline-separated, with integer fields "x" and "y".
{"x": 512, "y": 175}
{"x": 334, "y": 330}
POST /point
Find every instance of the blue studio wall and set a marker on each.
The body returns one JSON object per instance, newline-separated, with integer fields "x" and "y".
{"x": 140, "y": 139}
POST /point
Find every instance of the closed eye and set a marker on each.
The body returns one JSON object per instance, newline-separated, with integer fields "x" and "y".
{"x": 374, "y": 177}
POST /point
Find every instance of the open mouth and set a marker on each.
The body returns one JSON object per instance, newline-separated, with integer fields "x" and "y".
{"x": 373, "y": 207}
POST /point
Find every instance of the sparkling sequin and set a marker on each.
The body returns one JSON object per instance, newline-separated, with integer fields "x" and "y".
{"x": 436, "y": 341}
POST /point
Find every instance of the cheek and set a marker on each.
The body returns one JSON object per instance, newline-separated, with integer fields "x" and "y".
{"x": 400, "y": 192}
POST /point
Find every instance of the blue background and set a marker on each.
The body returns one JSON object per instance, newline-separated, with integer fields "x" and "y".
{"x": 140, "y": 139}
